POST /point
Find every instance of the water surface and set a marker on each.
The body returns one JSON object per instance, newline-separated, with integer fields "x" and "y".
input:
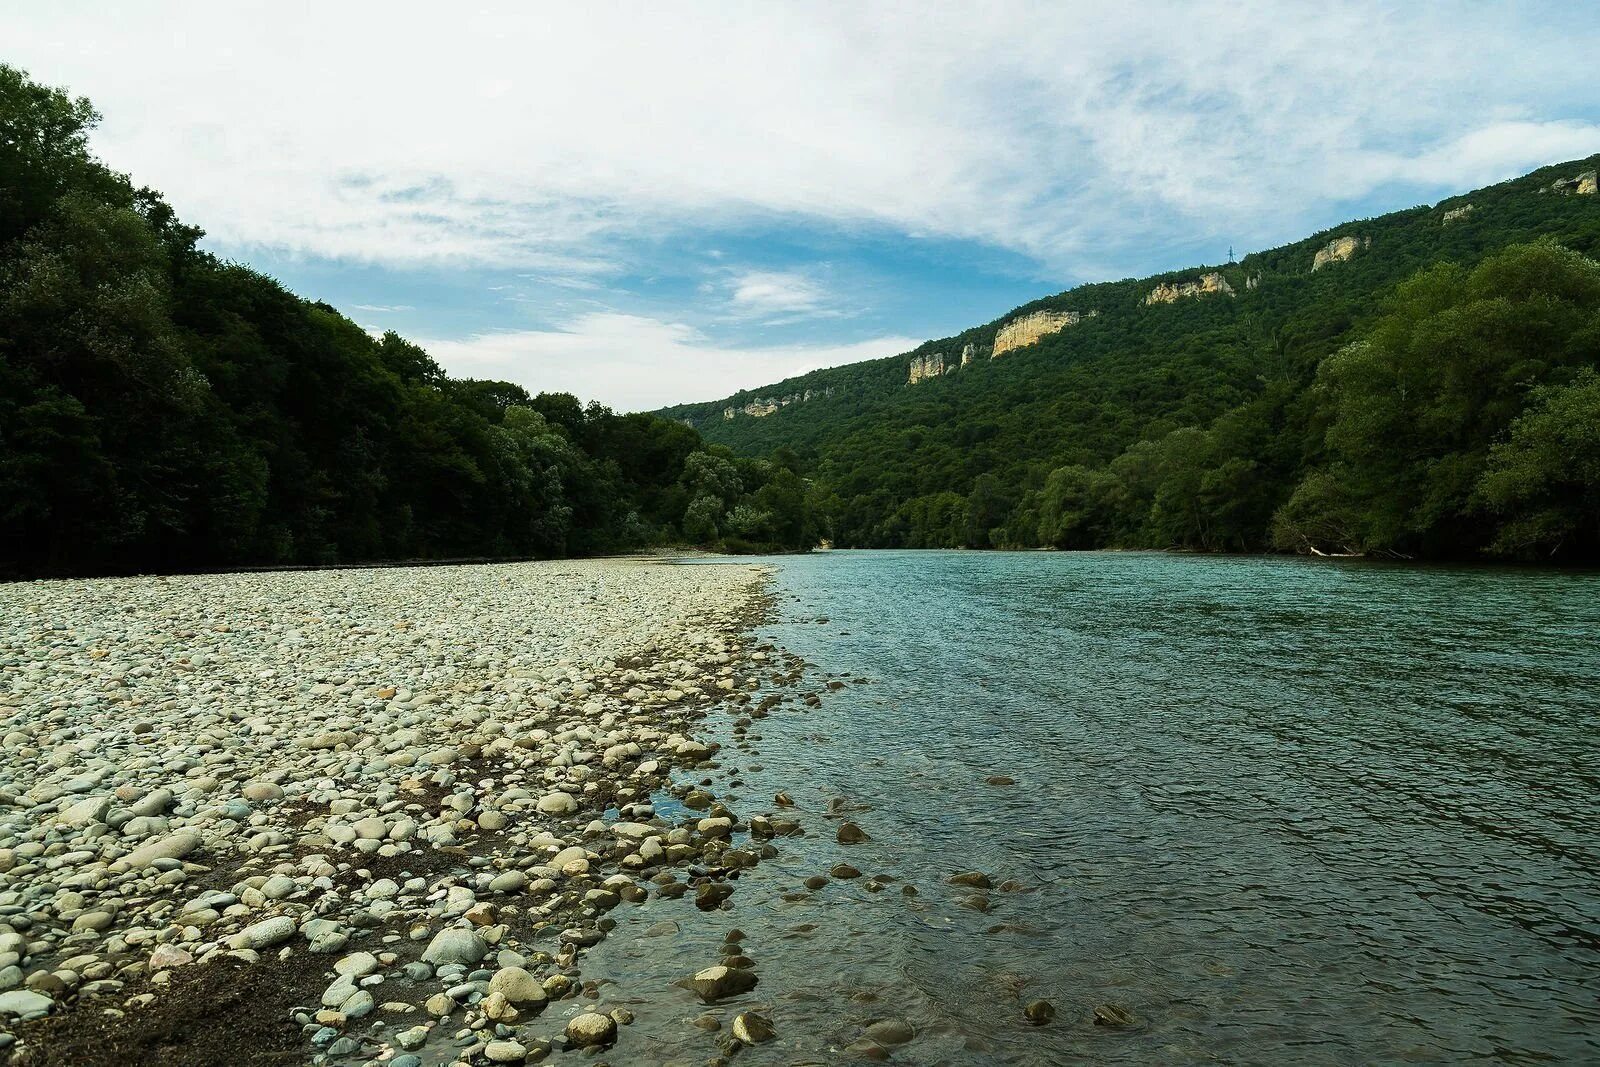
{"x": 1278, "y": 810}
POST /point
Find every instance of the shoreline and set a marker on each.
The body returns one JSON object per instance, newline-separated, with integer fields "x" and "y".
{"x": 403, "y": 864}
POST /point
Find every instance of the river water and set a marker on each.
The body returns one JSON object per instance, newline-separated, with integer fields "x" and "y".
{"x": 1275, "y": 810}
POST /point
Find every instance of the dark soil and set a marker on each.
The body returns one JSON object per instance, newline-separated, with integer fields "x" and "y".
{"x": 225, "y": 1013}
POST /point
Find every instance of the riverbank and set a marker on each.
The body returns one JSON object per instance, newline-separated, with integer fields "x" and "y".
{"x": 358, "y": 815}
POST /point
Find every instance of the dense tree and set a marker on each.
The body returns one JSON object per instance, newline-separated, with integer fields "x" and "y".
{"x": 1417, "y": 406}
{"x": 1355, "y": 407}
{"x": 160, "y": 409}
{"x": 1543, "y": 484}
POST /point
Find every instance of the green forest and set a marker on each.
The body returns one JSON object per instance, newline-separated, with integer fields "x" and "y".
{"x": 1434, "y": 395}
{"x": 164, "y": 410}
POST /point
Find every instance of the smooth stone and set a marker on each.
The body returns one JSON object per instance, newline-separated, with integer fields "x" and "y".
{"x": 505, "y": 1052}
{"x": 753, "y": 1029}
{"x": 173, "y": 847}
{"x": 715, "y": 983}
{"x": 84, "y": 812}
{"x": 518, "y": 986}
{"x": 265, "y": 934}
{"x": 509, "y": 882}
{"x": 591, "y": 1029}
{"x": 455, "y": 945}
{"x": 25, "y": 1003}
{"x": 557, "y": 804}
{"x": 891, "y": 1031}
{"x": 169, "y": 956}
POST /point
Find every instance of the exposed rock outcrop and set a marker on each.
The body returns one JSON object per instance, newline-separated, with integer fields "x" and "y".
{"x": 925, "y": 367}
{"x": 762, "y": 406}
{"x": 1026, "y": 330}
{"x": 1252, "y": 281}
{"x": 968, "y": 352}
{"x": 1456, "y": 214}
{"x": 1338, "y": 250}
{"x": 756, "y": 409}
{"x": 1206, "y": 284}
{"x": 1584, "y": 184}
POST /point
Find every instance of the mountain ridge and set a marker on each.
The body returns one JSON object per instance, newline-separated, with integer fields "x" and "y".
{"x": 1239, "y": 275}
{"x": 943, "y": 446}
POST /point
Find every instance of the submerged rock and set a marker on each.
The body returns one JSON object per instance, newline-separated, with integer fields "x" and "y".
{"x": 891, "y": 1031}
{"x": 753, "y": 1029}
{"x": 1113, "y": 1015}
{"x": 718, "y": 983}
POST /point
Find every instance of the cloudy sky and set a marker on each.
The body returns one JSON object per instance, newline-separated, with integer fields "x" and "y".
{"x": 653, "y": 203}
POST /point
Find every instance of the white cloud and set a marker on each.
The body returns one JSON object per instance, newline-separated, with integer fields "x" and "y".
{"x": 635, "y": 363}
{"x": 541, "y": 136}
{"x": 766, "y": 292}
{"x": 382, "y": 307}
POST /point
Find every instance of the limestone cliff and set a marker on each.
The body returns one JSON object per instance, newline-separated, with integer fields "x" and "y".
{"x": 762, "y": 406}
{"x": 1338, "y": 250}
{"x": 1584, "y": 184}
{"x": 968, "y": 352}
{"x": 925, "y": 367}
{"x": 1024, "y": 331}
{"x": 1456, "y": 214}
{"x": 1206, "y": 284}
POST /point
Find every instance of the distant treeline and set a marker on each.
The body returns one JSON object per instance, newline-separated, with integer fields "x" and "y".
{"x": 162, "y": 410}
{"x": 1434, "y": 396}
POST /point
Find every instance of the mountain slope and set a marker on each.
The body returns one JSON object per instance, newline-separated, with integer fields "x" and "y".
{"x": 907, "y": 462}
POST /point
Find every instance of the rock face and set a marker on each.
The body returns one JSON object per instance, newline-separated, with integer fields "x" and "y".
{"x": 968, "y": 351}
{"x": 1205, "y": 285}
{"x": 925, "y": 367}
{"x": 762, "y": 406}
{"x": 1584, "y": 184}
{"x": 1253, "y": 281}
{"x": 1024, "y": 331}
{"x": 1457, "y": 213}
{"x": 1338, "y": 250}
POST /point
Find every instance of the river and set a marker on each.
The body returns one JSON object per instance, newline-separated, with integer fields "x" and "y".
{"x": 1273, "y": 810}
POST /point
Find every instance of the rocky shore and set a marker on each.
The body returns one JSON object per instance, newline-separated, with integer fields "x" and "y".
{"x": 355, "y": 816}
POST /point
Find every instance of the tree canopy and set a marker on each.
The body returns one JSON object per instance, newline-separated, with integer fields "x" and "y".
{"x": 1422, "y": 397}
{"x": 161, "y": 409}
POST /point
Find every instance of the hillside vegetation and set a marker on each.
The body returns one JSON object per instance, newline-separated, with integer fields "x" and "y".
{"x": 163, "y": 410}
{"x": 1431, "y": 394}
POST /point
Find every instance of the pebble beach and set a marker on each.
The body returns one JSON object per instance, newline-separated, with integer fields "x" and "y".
{"x": 354, "y": 816}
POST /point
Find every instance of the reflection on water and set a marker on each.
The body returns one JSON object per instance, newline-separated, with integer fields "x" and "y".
{"x": 1277, "y": 810}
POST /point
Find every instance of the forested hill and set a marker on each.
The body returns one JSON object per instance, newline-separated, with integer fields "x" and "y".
{"x": 163, "y": 410}
{"x": 1413, "y": 384}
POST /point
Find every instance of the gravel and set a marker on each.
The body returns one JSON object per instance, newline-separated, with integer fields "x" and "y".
{"x": 349, "y": 770}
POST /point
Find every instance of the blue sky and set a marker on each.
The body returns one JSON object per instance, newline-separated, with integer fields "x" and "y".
{"x": 648, "y": 204}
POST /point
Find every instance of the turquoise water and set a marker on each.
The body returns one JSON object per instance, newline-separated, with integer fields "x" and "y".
{"x": 1279, "y": 811}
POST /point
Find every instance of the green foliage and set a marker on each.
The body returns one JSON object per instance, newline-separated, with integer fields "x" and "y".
{"x": 1417, "y": 407}
{"x": 1351, "y": 408}
{"x": 1543, "y": 484}
{"x": 161, "y": 410}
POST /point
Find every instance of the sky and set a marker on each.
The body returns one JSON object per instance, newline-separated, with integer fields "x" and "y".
{"x": 647, "y": 204}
